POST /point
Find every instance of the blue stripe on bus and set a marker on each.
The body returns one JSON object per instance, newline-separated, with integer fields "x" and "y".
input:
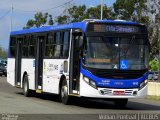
{"x": 115, "y": 83}
{"x": 81, "y": 25}
{"x": 50, "y": 28}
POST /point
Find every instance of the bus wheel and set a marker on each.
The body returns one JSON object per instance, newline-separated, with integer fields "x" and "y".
{"x": 121, "y": 102}
{"x": 26, "y": 90}
{"x": 65, "y": 99}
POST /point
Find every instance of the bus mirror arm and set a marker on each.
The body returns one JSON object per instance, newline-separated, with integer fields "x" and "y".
{"x": 65, "y": 68}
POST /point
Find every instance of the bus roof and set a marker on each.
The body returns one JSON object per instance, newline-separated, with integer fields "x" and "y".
{"x": 81, "y": 25}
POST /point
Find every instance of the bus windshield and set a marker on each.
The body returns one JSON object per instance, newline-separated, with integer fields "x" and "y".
{"x": 108, "y": 52}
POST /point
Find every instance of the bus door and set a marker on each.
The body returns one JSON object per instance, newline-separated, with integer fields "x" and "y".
{"x": 74, "y": 73}
{"x": 18, "y": 62}
{"x": 39, "y": 62}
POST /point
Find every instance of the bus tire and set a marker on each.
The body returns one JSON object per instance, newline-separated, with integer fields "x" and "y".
{"x": 121, "y": 102}
{"x": 65, "y": 99}
{"x": 26, "y": 90}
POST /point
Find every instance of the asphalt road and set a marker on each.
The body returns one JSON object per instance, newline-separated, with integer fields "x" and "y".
{"x": 12, "y": 103}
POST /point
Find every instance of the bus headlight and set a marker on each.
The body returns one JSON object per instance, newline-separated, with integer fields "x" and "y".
{"x": 86, "y": 79}
{"x": 143, "y": 84}
{"x": 90, "y": 82}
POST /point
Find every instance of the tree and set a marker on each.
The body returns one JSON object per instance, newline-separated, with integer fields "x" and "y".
{"x": 62, "y": 19}
{"x": 39, "y": 20}
{"x": 95, "y": 12}
{"x": 124, "y": 9}
{"x": 134, "y": 10}
{"x": 154, "y": 8}
{"x": 77, "y": 13}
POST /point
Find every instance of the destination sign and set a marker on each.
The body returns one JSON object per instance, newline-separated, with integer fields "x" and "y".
{"x": 115, "y": 28}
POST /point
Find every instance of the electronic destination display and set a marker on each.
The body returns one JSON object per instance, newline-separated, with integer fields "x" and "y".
{"x": 112, "y": 28}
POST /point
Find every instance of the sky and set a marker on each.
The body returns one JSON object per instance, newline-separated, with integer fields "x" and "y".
{"x": 25, "y": 9}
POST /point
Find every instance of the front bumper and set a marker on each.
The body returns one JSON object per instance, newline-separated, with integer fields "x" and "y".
{"x": 88, "y": 91}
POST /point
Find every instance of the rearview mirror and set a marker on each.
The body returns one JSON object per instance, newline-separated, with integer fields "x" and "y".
{"x": 78, "y": 37}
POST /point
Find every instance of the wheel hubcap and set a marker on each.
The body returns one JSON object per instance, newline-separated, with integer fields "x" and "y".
{"x": 64, "y": 91}
{"x": 25, "y": 87}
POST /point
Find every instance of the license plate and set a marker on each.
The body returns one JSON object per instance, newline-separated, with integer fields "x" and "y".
{"x": 118, "y": 93}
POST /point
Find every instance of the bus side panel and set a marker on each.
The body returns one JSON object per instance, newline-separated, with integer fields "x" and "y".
{"x": 52, "y": 72}
{"x": 11, "y": 71}
{"x": 28, "y": 65}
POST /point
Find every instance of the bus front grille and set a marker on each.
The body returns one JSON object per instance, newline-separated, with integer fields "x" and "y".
{"x": 117, "y": 74}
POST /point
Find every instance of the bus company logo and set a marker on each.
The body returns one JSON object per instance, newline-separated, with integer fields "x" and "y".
{"x": 118, "y": 83}
{"x": 50, "y": 67}
{"x": 105, "y": 81}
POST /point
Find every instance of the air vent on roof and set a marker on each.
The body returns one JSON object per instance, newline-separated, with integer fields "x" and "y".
{"x": 90, "y": 20}
{"x": 44, "y": 26}
{"x": 120, "y": 20}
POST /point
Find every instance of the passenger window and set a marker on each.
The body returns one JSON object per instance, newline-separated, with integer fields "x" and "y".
{"x": 25, "y": 46}
{"x": 13, "y": 47}
{"x": 58, "y": 37}
{"x": 53, "y": 45}
{"x": 32, "y": 46}
{"x": 49, "y": 50}
{"x": 65, "y": 50}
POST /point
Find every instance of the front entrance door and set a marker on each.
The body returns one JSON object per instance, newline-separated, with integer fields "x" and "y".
{"x": 74, "y": 63}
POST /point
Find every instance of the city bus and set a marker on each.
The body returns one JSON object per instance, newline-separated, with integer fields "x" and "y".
{"x": 104, "y": 59}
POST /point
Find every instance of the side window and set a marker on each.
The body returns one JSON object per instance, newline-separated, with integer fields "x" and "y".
{"x": 13, "y": 47}
{"x": 50, "y": 43}
{"x": 58, "y": 37}
{"x": 65, "y": 48}
{"x": 58, "y": 44}
{"x": 32, "y": 46}
{"x": 53, "y": 45}
{"x": 25, "y": 46}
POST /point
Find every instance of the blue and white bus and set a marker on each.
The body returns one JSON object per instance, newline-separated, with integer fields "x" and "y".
{"x": 106, "y": 59}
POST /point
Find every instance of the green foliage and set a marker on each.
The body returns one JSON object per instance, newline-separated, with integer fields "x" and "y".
{"x": 39, "y": 19}
{"x": 62, "y": 19}
{"x": 124, "y": 8}
{"x": 131, "y": 10}
{"x": 77, "y": 13}
{"x": 154, "y": 64}
{"x": 95, "y": 12}
{"x": 3, "y": 53}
